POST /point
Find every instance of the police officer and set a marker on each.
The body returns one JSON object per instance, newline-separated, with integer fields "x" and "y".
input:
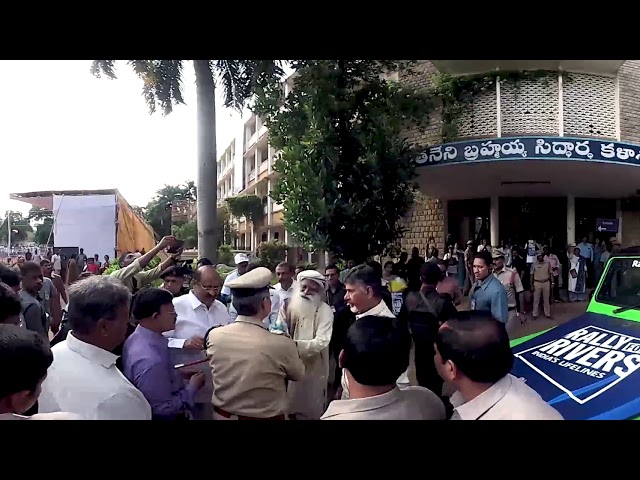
{"x": 250, "y": 366}
{"x": 512, "y": 283}
{"x": 541, "y": 284}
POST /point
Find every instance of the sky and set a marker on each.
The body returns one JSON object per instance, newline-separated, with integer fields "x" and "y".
{"x": 63, "y": 129}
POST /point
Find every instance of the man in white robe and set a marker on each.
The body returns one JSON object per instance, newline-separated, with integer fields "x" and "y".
{"x": 310, "y": 323}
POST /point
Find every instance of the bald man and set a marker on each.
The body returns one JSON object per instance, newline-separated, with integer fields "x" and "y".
{"x": 197, "y": 313}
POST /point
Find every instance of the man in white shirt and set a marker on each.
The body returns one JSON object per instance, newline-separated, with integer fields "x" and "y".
{"x": 198, "y": 312}
{"x": 242, "y": 263}
{"x": 286, "y": 284}
{"x": 375, "y": 352}
{"x": 364, "y": 297}
{"x": 474, "y": 358}
{"x": 83, "y": 378}
{"x": 56, "y": 260}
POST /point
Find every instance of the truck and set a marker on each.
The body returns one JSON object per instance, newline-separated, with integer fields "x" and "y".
{"x": 589, "y": 367}
{"x": 99, "y": 221}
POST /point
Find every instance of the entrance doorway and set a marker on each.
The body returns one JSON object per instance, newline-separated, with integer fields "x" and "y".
{"x": 468, "y": 220}
{"x": 588, "y": 211}
{"x": 543, "y": 219}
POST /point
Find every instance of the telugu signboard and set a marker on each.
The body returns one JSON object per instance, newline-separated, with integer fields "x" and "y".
{"x": 607, "y": 225}
{"x": 587, "y": 368}
{"x": 534, "y": 148}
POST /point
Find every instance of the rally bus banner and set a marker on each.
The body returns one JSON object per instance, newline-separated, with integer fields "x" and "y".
{"x": 587, "y": 369}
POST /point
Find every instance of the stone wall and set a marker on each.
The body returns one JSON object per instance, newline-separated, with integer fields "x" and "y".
{"x": 629, "y": 80}
{"x": 427, "y": 217}
{"x": 425, "y": 220}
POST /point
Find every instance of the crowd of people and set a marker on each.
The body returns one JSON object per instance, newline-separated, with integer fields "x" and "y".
{"x": 355, "y": 343}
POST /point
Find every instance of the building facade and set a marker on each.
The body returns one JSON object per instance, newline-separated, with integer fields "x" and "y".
{"x": 246, "y": 168}
{"x": 528, "y": 149}
{"x": 544, "y": 150}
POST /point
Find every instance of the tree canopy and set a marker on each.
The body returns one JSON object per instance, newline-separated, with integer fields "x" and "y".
{"x": 162, "y": 87}
{"x": 158, "y": 211}
{"x": 346, "y": 174}
{"x": 20, "y": 226}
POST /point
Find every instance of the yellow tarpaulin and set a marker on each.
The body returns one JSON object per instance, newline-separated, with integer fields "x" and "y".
{"x": 133, "y": 233}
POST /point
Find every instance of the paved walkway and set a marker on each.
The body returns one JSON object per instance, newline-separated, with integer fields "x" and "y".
{"x": 560, "y": 313}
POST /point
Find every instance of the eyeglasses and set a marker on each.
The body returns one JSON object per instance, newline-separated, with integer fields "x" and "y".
{"x": 211, "y": 289}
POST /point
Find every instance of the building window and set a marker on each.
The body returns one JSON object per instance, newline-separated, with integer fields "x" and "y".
{"x": 276, "y": 235}
{"x": 264, "y": 237}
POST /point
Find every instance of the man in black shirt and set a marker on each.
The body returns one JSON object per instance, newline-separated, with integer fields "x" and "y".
{"x": 342, "y": 315}
{"x": 413, "y": 270}
{"x": 426, "y": 310}
{"x": 400, "y": 268}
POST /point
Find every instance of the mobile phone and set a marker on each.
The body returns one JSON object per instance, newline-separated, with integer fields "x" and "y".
{"x": 177, "y": 247}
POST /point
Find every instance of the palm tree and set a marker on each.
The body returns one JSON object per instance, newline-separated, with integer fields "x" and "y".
{"x": 163, "y": 86}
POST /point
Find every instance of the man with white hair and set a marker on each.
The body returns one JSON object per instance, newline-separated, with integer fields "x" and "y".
{"x": 310, "y": 323}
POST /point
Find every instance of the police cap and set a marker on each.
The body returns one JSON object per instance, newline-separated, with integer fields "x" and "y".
{"x": 251, "y": 283}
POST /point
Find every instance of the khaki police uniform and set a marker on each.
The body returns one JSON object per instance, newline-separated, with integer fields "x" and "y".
{"x": 542, "y": 278}
{"x": 410, "y": 403}
{"x": 510, "y": 398}
{"x": 250, "y": 366}
{"x": 512, "y": 283}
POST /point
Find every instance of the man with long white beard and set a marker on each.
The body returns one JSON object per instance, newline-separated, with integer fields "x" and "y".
{"x": 310, "y": 323}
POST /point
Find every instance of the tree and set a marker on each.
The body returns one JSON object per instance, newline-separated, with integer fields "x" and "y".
{"x": 163, "y": 86}
{"x": 346, "y": 174}
{"x": 20, "y": 226}
{"x": 44, "y": 233}
{"x": 39, "y": 214}
{"x": 251, "y": 207}
{"x": 158, "y": 211}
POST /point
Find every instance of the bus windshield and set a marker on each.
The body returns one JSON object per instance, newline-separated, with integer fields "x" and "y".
{"x": 621, "y": 285}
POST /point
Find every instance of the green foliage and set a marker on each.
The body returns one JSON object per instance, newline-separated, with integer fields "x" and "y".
{"x": 39, "y": 214}
{"x": 188, "y": 232}
{"x": 20, "y": 226}
{"x": 457, "y": 93}
{"x": 158, "y": 211}
{"x": 162, "y": 79}
{"x": 271, "y": 253}
{"x": 224, "y": 271}
{"x": 225, "y": 255}
{"x": 44, "y": 234}
{"x": 114, "y": 265}
{"x": 248, "y": 206}
{"x": 346, "y": 175}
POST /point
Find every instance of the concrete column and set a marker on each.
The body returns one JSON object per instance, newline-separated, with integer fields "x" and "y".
{"x": 619, "y": 217}
{"x": 571, "y": 219}
{"x": 494, "y": 221}
{"x": 268, "y": 234}
{"x": 256, "y": 163}
{"x": 269, "y": 203}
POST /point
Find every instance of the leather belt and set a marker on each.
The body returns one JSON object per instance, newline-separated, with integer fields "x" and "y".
{"x": 226, "y": 414}
{"x": 541, "y": 281}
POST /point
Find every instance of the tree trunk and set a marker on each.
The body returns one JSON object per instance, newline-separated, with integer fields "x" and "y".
{"x": 207, "y": 181}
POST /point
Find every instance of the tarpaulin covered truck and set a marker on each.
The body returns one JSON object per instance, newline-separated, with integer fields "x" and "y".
{"x": 99, "y": 221}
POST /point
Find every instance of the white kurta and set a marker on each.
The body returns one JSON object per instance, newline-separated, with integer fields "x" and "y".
{"x": 574, "y": 264}
{"x": 307, "y": 399}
